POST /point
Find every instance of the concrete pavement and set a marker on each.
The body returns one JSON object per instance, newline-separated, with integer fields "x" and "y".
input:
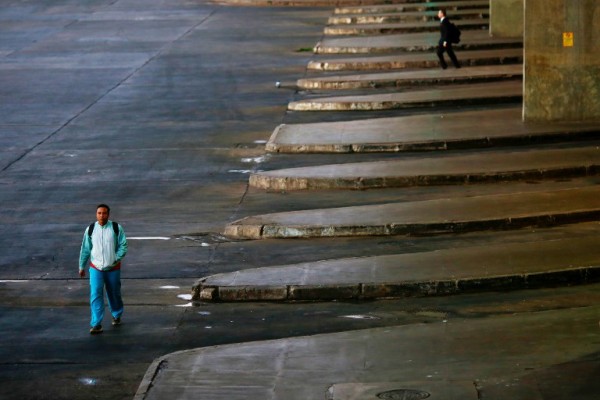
{"x": 415, "y": 60}
{"x": 487, "y": 167}
{"x": 477, "y": 93}
{"x": 429, "y": 217}
{"x": 405, "y": 16}
{"x": 403, "y": 6}
{"x": 470, "y": 40}
{"x": 500, "y": 126}
{"x": 400, "y": 27}
{"x": 445, "y": 360}
{"x": 522, "y": 265}
{"x": 488, "y": 73}
{"x": 507, "y": 357}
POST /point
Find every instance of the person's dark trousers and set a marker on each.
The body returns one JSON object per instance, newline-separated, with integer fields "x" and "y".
{"x": 448, "y": 49}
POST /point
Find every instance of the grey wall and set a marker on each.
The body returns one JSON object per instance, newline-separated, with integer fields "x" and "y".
{"x": 506, "y": 18}
{"x": 561, "y": 83}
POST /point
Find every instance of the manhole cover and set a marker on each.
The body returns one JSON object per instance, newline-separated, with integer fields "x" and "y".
{"x": 403, "y": 394}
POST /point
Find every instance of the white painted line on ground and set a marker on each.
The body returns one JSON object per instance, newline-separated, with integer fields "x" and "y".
{"x": 148, "y": 238}
{"x": 360, "y": 316}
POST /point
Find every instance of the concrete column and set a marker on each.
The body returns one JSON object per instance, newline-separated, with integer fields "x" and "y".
{"x": 562, "y": 60}
{"x": 506, "y": 18}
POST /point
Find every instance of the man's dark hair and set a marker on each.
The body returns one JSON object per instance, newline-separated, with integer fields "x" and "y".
{"x": 443, "y": 11}
{"x": 103, "y": 206}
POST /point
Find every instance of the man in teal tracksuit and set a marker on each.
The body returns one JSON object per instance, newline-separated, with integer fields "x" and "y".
{"x": 104, "y": 246}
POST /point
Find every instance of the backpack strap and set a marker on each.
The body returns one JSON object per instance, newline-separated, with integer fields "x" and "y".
{"x": 115, "y": 229}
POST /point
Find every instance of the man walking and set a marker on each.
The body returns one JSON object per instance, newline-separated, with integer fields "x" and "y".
{"x": 104, "y": 246}
{"x": 445, "y": 42}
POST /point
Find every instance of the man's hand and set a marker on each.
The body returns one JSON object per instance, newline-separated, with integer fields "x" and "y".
{"x": 82, "y": 273}
{"x": 445, "y": 44}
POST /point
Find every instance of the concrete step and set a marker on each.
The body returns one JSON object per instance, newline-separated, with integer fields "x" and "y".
{"x": 441, "y": 216}
{"x": 401, "y": 6}
{"x": 406, "y": 16}
{"x": 409, "y": 42}
{"x": 403, "y": 27}
{"x": 507, "y": 266}
{"x": 481, "y": 93}
{"x": 416, "y": 60}
{"x": 438, "y": 76}
{"x": 311, "y": 3}
{"x": 485, "y": 167}
{"x": 448, "y": 131}
{"x": 513, "y": 354}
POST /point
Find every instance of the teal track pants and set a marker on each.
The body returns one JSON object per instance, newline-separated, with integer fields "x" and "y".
{"x": 99, "y": 280}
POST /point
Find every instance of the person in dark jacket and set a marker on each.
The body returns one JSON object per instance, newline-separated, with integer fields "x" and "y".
{"x": 444, "y": 44}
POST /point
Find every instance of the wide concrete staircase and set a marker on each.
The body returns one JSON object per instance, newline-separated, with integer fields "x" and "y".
{"x": 467, "y": 125}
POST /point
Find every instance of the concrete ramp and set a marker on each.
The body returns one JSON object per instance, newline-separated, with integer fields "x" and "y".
{"x": 441, "y": 170}
{"x": 442, "y": 216}
{"x": 457, "y": 130}
{"x": 509, "y": 266}
{"x": 402, "y": 6}
{"x": 496, "y": 127}
{"x": 402, "y": 27}
{"x": 406, "y": 16}
{"x": 482, "y": 93}
{"x": 471, "y": 40}
{"x": 413, "y": 78}
{"x": 415, "y": 60}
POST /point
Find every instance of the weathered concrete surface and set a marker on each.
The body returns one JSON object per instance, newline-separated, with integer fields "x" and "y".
{"x": 488, "y": 73}
{"x": 429, "y": 217}
{"x": 450, "y": 271}
{"x": 470, "y": 40}
{"x": 446, "y": 131}
{"x": 479, "y": 93}
{"x": 402, "y": 6}
{"x": 488, "y": 167}
{"x": 402, "y": 27}
{"x": 303, "y": 3}
{"x": 415, "y": 60}
{"x": 506, "y": 18}
{"x": 507, "y": 357}
{"x": 562, "y": 61}
{"x": 406, "y": 16}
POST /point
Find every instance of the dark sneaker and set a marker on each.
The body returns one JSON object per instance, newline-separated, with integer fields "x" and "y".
{"x": 96, "y": 329}
{"x": 116, "y": 321}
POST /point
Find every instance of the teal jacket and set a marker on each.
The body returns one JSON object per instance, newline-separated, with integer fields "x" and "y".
{"x": 102, "y": 250}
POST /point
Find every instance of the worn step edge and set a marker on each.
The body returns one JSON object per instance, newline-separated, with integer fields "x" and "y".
{"x": 268, "y": 182}
{"x": 375, "y": 82}
{"x": 373, "y": 29}
{"x": 406, "y": 17}
{"x": 371, "y": 291}
{"x": 364, "y": 64}
{"x": 239, "y": 230}
{"x": 401, "y": 6}
{"x": 308, "y": 105}
{"x": 326, "y": 49}
{"x": 429, "y": 145}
